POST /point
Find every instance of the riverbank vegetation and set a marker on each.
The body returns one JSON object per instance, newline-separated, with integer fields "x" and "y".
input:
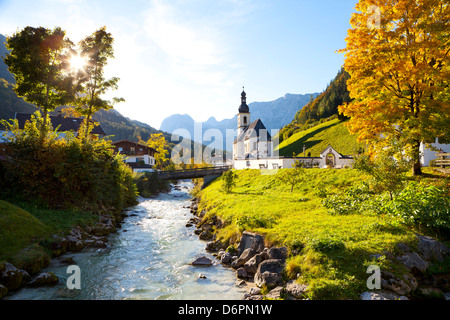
{"x": 334, "y": 224}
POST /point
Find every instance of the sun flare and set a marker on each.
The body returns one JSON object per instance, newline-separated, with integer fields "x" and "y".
{"x": 77, "y": 62}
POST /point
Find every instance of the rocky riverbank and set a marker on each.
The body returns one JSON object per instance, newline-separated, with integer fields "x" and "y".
{"x": 261, "y": 268}
{"x": 14, "y": 277}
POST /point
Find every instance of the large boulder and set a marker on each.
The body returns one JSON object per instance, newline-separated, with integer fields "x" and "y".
{"x": 11, "y": 277}
{"x": 251, "y": 241}
{"x": 269, "y": 273}
{"x": 246, "y": 255}
{"x": 413, "y": 262}
{"x": 431, "y": 249}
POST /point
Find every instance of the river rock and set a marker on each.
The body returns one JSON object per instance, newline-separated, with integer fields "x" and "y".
{"x": 269, "y": 273}
{"x": 3, "y": 291}
{"x": 202, "y": 262}
{"x": 44, "y": 279}
{"x": 367, "y": 295}
{"x": 74, "y": 243}
{"x": 226, "y": 258}
{"x": 246, "y": 255}
{"x": 391, "y": 282}
{"x": 413, "y": 262}
{"x": 241, "y": 273}
{"x": 278, "y": 253}
{"x": 296, "y": 290}
{"x": 11, "y": 277}
{"x": 251, "y": 241}
{"x": 275, "y": 293}
{"x": 251, "y": 266}
{"x": 430, "y": 249}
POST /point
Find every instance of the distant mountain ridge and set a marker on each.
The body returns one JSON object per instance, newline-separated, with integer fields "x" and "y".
{"x": 274, "y": 114}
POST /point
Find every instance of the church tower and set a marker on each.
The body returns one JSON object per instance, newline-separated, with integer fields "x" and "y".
{"x": 244, "y": 113}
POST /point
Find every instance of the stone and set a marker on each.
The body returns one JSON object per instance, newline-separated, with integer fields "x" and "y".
{"x": 11, "y": 277}
{"x": 269, "y": 273}
{"x": 44, "y": 279}
{"x": 202, "y": 262}
{"x": 275, "y": 293}
{"x": 3, "y": 291}
{"x": 254, "y": 291}
{"x": 74, "y": 243}
{"x": 251, "y": 266}
{"x": 413, "y": 262}
{"x": 367, "y": 295}
{"x": 241, "y": 273}
{"x": 296, "y": 290}
{"x": 278, "y": 253}
{"x": 202, "y": 276}
{"x": 391, "y": 282}
{"x": 430, "y": 249}
{"x": 246, "y": 255}
{"x": 206, "y": 235}
{"x": 251, "y": 241}
{"x": 226, "y": 258}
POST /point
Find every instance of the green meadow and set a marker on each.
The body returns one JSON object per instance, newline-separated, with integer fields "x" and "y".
{"x": 330, "y": 253}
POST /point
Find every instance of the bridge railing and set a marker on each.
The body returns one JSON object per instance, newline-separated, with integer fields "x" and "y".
{"x": 221, "y": 168}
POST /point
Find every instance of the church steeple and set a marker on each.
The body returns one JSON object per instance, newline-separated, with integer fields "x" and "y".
{"x": 244, "y": 107}
{"x": 244, "y": 113}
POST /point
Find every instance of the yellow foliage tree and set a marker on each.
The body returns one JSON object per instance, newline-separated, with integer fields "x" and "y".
{"x": 397, "y": 55}
{"x": 158, "y": 142}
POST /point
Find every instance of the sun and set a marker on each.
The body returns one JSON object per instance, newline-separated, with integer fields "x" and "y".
{"x": 77, "y": 62}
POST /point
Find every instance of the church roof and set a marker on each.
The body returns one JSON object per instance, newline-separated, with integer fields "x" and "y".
{"x": 255, "y": 129}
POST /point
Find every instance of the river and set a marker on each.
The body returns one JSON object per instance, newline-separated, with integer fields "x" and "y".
{"x": 148, "y": 258}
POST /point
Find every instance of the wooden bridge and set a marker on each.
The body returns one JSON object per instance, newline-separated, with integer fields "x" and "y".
{"x": 192, "y": 173}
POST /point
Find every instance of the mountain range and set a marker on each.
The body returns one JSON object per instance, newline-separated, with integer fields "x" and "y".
{"x": 274, "y": 114}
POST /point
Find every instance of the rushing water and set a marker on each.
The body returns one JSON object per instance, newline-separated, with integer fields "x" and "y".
{"x": 148, "y": 258}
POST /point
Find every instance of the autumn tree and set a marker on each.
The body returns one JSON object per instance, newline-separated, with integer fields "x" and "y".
{"x": 38, "y": 59}
{"x": 94, "y": 53}
{"x": 158, "y": 142}
{"x": 397, "y": 55}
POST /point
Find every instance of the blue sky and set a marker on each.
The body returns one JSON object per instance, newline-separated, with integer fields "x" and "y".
{"x": 194, "y": 56}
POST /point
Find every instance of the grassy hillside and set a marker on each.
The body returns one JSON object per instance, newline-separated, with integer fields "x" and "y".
{"x": 330, "y": 252}
{"x": 317, "y": 138}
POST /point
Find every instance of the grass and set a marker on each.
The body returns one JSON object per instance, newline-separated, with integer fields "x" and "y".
{"x": 316, "y": 139}
{"x": 23, "y": 227}
{"x": 330, "y": 253}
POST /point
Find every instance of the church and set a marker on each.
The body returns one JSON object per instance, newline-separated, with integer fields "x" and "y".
{"x": 254, "y": 148}
{"x": 253, "y": 139}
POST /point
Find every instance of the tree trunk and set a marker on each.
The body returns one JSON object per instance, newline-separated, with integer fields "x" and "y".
{"x": 417, "y": 166}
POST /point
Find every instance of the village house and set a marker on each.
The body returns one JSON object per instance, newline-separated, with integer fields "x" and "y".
{"x": 138, "y": 156}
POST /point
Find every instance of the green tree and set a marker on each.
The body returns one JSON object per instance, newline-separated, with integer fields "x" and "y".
{"x": 388, "y": 169}
{"x": 38, "y": 59}
{"x": 95, "y": 50}
{"x": 293, "y": 176}
{"x": 229, "y": 181}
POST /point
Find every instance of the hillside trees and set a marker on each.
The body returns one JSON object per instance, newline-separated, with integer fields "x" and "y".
{"x": 400, "y": 73}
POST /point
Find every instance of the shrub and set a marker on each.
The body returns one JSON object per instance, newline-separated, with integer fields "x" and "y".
{"x": 65, "y": 172}
{"x": 149, "y": 184}
{"x": 423, "y": 206}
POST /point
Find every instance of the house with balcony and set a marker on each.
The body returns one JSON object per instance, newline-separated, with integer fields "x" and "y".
{"x": 138, "y": 156}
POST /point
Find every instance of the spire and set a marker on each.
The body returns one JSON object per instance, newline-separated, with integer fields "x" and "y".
{"x": 244, "y": 107}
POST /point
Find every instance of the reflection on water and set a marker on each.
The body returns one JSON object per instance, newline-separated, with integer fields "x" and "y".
{"x": 147, "y": 259}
